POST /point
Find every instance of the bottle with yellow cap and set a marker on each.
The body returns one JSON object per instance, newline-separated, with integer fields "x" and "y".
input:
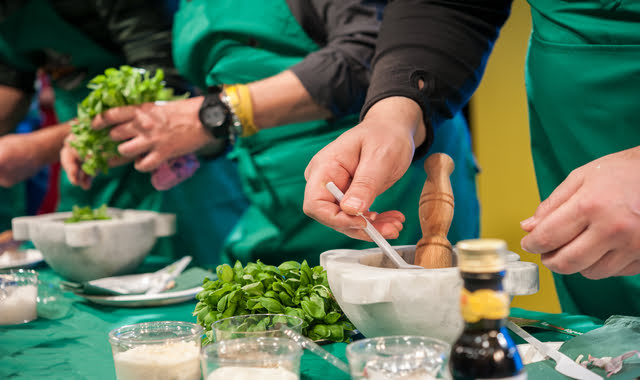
{"x": 484, "y": 350}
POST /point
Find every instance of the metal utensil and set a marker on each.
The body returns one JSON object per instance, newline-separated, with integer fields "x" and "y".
{"x": 310, "y": 345}
{"x": 375, "y": 235}
{"x": 564, "y": 364}
{"x": 164, "y": 276}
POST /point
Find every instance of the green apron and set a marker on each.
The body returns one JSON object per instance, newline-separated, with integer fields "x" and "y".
{"x": 36, "y": 26}
{"x": 239, "y": 41}
{"x": 583, "y": 86}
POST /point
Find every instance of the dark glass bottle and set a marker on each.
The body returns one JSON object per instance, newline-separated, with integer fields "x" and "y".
{"x": 484, "y": 350}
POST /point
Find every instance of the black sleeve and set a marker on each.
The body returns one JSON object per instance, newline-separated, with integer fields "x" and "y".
{"x": 337, "y": 75}
{"x": 12, "y": 77}
{"x": 142, "y": 30}
{"x": 446, "y": 43}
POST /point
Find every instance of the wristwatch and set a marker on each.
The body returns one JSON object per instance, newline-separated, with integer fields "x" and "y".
{"x": 216, "y": 115}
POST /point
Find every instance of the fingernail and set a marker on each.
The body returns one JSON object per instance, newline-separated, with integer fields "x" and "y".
{"x": 527, "y": 222}
{"x": 353, "y": 203}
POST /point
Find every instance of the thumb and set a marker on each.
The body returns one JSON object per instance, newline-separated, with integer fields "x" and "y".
{"x": 367, "y": 184}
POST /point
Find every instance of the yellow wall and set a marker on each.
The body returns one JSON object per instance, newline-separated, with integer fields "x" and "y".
{"x": 506, "y": 185}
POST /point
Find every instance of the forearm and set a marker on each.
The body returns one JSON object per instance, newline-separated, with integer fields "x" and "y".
{"x": 282, "y": 99}
{"x": 50, "y": 141}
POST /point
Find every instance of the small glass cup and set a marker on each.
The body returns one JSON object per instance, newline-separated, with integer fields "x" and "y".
{"x": 401, "y": 357}
{"x": 157, "y": 350}
{"x": 255, "y": 325}
{"x": 18, "y": 296}
{"x": 263, "y": 358}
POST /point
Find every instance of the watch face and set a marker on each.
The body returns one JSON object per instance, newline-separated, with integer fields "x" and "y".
{"x": 214, "y": 116}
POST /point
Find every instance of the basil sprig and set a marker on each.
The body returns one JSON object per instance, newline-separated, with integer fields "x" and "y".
{"x": 83, "y": 214}
{"x": 292, "y": 288}
{"x": 117, "y": 87}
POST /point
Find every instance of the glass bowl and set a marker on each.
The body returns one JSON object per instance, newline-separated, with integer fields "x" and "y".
{"x": 263, "y": 358}
{"x": 157, "y": 350}
{"x": 401, "y": 357}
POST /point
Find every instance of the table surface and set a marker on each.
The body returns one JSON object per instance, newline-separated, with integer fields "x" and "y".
{"x": 73, "y": 344}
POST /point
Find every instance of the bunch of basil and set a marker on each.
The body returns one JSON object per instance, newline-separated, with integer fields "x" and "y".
{"x": 117, "y": 87}
{"x": 292, "y": 288}
{"x": 85, "y": 214}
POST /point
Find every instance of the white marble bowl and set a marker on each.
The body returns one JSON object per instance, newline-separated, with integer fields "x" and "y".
{"x": 381, "y": 300}
{"x": 89, "y": 250}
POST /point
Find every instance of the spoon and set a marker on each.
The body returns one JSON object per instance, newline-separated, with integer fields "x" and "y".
{"x": 375, "y": 235}
{"x": 310, "y": 345}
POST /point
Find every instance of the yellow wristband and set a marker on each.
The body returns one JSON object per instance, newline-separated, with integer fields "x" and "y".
{"x": 240, "y": 101}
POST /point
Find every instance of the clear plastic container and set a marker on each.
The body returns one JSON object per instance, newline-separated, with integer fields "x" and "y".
{"x": 262, "y": 358}
{"x": 399, "y": 357}
{"x": 18, "y": 296}
{"x": 166, "y": 350}
{"x": 255, "y": 325}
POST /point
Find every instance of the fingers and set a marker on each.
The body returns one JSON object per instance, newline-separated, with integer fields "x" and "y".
{"x": 135, "y": 147}
{"x": 610, "y": 264}
{"x": 578, "y": 255}
{"x": 124, "y": 131}
{"x": 149, "y": 162}
{"x": 114, "y": 116}
{"x": 559, "y": 196}
{"x": 557, "y": 228}
{"x": 631, "y": 269}
{"x": 70, "y": 163}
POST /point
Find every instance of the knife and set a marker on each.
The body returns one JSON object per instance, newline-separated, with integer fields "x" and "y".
{"x": 165, "y": 275}
{"x": 564, "y": 364}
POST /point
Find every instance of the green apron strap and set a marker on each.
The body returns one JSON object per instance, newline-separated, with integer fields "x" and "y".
{"x": 583, "y": 81}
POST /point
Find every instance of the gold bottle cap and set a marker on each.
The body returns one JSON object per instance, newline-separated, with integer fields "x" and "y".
{"x": 481, "y": 255}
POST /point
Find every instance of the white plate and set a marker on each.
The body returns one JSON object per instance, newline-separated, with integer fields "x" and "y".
{"x": 144, "y": 300}
{"x": 20, "y": 259}
{"x": 529, "y": 354}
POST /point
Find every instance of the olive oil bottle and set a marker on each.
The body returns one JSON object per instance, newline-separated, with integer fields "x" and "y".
{"x": 484, "y": 350}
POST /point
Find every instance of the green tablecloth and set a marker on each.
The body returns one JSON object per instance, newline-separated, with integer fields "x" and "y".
{"x": 74, "y": 345}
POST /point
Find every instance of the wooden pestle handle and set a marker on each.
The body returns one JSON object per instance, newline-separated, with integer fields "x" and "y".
{"x": 436, "y": 212}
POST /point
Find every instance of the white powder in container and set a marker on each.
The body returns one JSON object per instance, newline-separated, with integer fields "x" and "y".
{"x": 169, "y": 361}
{"x": 18, "y": 304}
{"x": 251, "y": 373}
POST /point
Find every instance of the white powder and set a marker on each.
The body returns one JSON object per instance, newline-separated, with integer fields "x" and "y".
{"x": 251, "y": 373}
{"x": 18, "y": 304}
{"x": 171, "y": 361}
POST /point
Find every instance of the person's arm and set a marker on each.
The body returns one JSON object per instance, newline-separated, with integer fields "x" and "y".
{"x": 143, "y": 34}
{"x": 442, "y": 44}
{"x": 330, "y": 82}
{"x": 22, "y": 155}
{"x": 429, "y": 58}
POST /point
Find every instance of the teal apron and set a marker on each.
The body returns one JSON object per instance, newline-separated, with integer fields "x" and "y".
{"x": 36, "y": 26}
{"x": 240, "y": 41}
{"x": 583, "y": 86}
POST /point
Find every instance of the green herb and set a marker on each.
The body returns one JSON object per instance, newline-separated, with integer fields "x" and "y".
{"x": 292, "y": 288}
{"x": 115, "y": 88}
{"x": 83, "y": 214}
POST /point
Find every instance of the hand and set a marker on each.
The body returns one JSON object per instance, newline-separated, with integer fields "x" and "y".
{"x": 154, "y": 133}
{"x": 72, "y": 165}
{"x": 590, "y": 223}
{"x": 18, "y": 158}
{"x": 364, "y": 161}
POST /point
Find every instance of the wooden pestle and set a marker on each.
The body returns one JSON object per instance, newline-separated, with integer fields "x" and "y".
{"x": 436, "y": 212}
